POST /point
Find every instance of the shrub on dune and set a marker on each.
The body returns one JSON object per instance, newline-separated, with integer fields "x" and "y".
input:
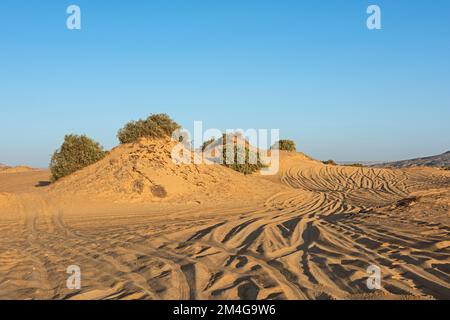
{"x": 207, "y": 143}
{"x": 236, "y": 153}
{"x": 285, "y": 145}
{"x": 155, "y": 126}
{"x": 357, "y": 165}
{"x": 75, "y": 153}
{"x": 240, "y": 158}
{"x": 330, "y": 162}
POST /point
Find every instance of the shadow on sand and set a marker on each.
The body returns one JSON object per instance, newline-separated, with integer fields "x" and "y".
{"x": 41, "y": 184}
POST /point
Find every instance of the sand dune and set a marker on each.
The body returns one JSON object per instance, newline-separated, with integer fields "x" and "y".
{"x": 145, "y": 172}
{"x": 308, "y": 233}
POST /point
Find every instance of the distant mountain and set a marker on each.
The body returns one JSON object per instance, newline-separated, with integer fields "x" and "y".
{"x": 442, "y": 160}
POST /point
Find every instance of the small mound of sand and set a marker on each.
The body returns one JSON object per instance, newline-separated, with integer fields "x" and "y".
{"x": 145, "y": 171}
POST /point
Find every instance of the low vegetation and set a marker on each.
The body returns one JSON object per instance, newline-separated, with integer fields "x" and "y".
{"x": 245, "y": 161}
{"x": 285, "y": 145}
{"x": 330, "y": 162}
{"x": 357, "y": 165}
{"x": 75, "y": 153}
{"x": 155, "y": 126}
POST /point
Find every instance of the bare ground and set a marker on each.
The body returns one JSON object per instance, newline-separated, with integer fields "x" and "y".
{"x": 309, "y": 233}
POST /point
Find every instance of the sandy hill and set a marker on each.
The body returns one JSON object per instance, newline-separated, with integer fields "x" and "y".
{"x": 145, "y": 171}
{"x": 442, "y": 160}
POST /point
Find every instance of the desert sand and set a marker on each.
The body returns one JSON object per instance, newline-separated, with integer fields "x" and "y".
{"x": 141, "y": 227}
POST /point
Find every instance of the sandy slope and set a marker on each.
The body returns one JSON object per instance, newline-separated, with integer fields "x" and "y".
{"x": 308, "y": 233}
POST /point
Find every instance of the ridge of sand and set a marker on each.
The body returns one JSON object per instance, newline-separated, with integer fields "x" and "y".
{"x": 441, "y": 160}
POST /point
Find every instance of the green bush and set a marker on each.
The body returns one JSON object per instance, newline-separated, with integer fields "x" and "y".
{"x": 155, "y": 126}
{"x": 245, "y": 161}
{"x": 330, "y": 162}
{"x": 286, "y": 145}
{"x": 245, "y": 166}
{"x": 75, "y": 153}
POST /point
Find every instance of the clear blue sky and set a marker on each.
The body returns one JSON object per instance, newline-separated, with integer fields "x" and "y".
{"x": 310, "y": 68}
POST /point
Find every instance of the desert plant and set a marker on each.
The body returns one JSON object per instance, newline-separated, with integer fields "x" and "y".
{"x": 285, "y": 145}
{"x": 155, "y": 126}
{"x": 330, "y": 162}
{"x": 75, "y": 153}
{"x": 244, "y": 160}
{"x": 357, "y": 165}
{"x": 158, "y": 191}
